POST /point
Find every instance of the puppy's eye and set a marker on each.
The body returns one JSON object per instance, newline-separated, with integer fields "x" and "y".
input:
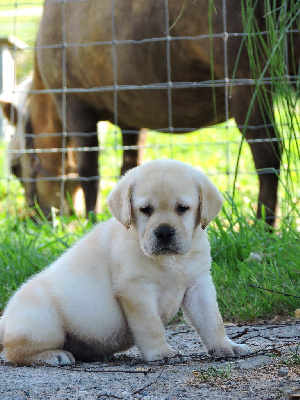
{"x": 181, "y": 209}
{"x": 146, "y": 210}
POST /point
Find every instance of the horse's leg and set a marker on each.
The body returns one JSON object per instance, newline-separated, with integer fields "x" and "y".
{"x": 135, "y": 140}
{"x": 266, "y": 154}
{"x": 81, "y": 126}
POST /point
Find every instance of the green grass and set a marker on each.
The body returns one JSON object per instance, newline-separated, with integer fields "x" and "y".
{"x": 245, "y": 255}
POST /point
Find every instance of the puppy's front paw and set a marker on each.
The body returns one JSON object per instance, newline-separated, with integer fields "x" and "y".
{"x": 229, "y": 349}
{"x": 240, "y": 349}
{"x": 159, "y": 354}
{"x": 54, "y": 357}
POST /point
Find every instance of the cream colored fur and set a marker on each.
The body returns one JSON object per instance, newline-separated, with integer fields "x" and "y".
{"x": 123, "y": 281}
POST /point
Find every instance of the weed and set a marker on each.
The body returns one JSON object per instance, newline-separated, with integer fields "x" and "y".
{"x": 294, "y": 357}
{"x": 212, "y": 373}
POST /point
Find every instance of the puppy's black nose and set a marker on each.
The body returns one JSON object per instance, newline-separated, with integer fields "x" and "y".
{"x": 164, "y": 233}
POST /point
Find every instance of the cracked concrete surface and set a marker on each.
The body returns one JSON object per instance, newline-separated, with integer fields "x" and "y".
{"x": 271, "y": 371}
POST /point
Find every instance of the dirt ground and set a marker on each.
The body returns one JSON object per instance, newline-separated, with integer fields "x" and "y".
{"x": 271, "y": 371}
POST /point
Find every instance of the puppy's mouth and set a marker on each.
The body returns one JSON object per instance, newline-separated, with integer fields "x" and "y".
{"x": 154, "y": 251}
{"x": 162, "y": 251}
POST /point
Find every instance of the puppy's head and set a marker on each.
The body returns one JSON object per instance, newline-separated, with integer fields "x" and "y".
{"x": 164, "y": 202}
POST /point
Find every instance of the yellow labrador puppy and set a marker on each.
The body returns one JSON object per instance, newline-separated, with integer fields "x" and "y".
{"x": 123, "y": 281}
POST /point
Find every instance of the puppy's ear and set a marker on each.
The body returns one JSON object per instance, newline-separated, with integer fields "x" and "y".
{"x": 119, "y": 201}
{"x": 210, "y": 200}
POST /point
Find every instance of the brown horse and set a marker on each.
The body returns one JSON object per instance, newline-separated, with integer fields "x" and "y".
{"x": 137, "y": 65}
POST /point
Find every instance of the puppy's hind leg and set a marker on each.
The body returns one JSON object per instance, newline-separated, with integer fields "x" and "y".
{"x": 33, "y": 332}
{"x": 56, "y": 357}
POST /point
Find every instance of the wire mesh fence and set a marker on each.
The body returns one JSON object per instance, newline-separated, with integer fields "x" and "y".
{"x": 152, "y": 71}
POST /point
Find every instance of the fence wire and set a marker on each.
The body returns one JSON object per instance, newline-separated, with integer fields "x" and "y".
{"x": 170, "y": 145}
